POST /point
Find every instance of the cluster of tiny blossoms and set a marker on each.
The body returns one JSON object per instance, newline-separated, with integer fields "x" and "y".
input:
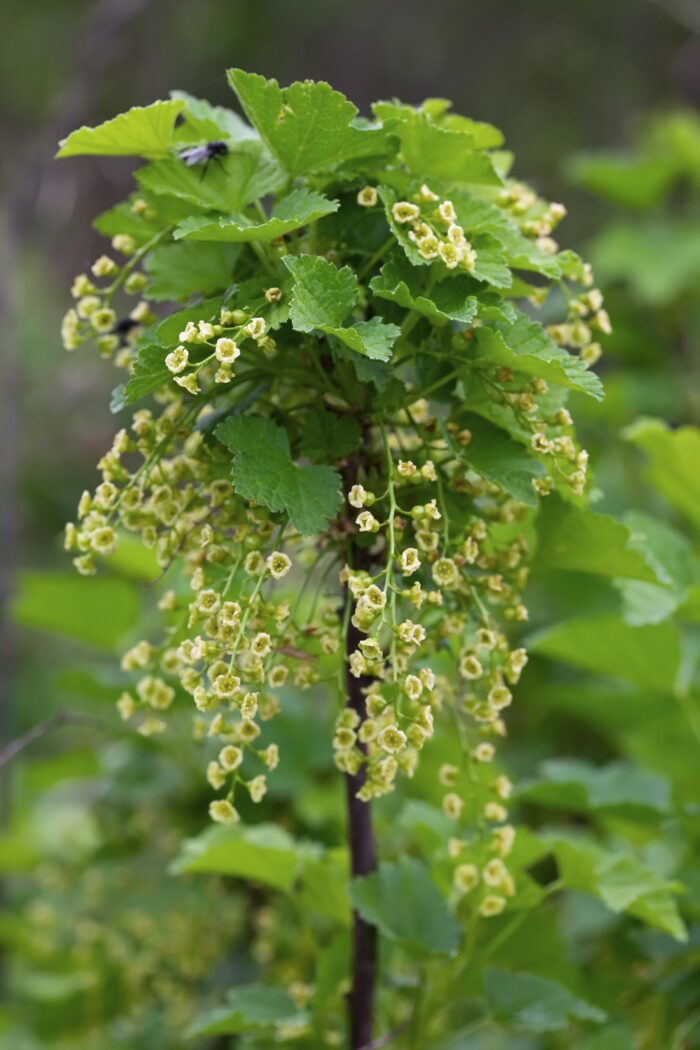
{"x": 586, "y": 318}
{"x": 434, "y": 229}
{"x": 93, "y": 316}
{"x": 432, "y": 643}
{"x": 230, "y": 640}
{"x": 210, "y": 350}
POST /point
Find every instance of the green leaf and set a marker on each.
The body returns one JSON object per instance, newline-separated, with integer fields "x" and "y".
{"x": 428, "y": 825}
{"x": 670, "y": 555}
{"x": 649, "y": 655}
{"x": 144, "y": 131}
{"x": 323, "y": 296}
{"x": 658, "y": 260}
{"x": 432, "y": 151}
{"x": 133, "y": 560}
{"x": 327, "y": 437}
{"x": 621, "y": 882}
{"x": 148, "y": 375}
{"x": 298, "y": 209}
{"x": 121, "y": 219}
{"x": 529, "y": 1003}
{"x": 263, "y": 853}
{"x": 664, "y": 549}
{"x": 673, "y": 457}
{"x": 324, "y": 887}
{"x": 250, "y": 1008}
{"x": 576, "y": 539}
{"x": 307, "y": 125}
{"x": 569, "y": 783}
{"x": 373, "y": 338}
{"x": 483, "y": 135}
{"x": 402, "y": 901}
{"x": 204, "y": 122}
{"x": 264, "y": 471}
{"x": 177, "y": 271}
{"x": 246, "y": 174}
{"x": 526, "y": 347}
{"x": 628, "y": 179}
{"x": 330, "y": 976}
{"x": 498, "y": 458}
{"x": 451, "y": 299}
{"x": 99, "y": 611}
{"x": 646, "y": 603}
{"x": 491, "y": 264}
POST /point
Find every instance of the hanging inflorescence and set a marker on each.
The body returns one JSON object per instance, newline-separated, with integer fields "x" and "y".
{"x": 356, "y": 416}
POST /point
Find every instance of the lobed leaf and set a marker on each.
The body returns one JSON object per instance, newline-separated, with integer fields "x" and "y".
{"x": 649, "y": 655}
{"x": 530, "y": 1003}
{"x": 402, "y": 901}
{"x": 227, "y": 184}
{"x": 264, "y": 471}
{"x": 450, "y": 299}
{"x": 327, "y": 437}
{"x": 144, "y": 131}
{"x": 621, "y": 882}
{"x": 526, "y": 347}
{"x": 262, "y": 853}
{"x": 432, "y": 151}
{"x": 148, "y": 375}
{"x": 249, "y": 1008}
{"x": 299, "y": 208}
{"x": 673, "y": 457}
{"x": 577, "y": 539}
{"x": 570, "y": 783}
{"x": 308, "y": 126}
{"x": 177, "y": 271}
{"x": 97, "y": 611}
{"x": 205, "y": 123}
{"x": 322, "y": 294}
{"x": 322, "y": 298}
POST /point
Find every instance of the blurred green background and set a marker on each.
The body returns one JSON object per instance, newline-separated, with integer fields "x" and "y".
{"x": 564, "y": 80}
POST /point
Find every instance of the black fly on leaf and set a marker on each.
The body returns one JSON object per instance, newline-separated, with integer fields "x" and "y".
{"x": 204, "y": 154}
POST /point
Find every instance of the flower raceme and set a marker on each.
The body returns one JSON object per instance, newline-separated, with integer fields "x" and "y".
{"x": 354, "y": 415}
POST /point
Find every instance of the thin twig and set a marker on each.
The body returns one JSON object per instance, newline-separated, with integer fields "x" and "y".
{"x": 63, "y": 718}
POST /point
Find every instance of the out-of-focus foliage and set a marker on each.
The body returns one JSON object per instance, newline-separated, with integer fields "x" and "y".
{"x": 604, "y": 741}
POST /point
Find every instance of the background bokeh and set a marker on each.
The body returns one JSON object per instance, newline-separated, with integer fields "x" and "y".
{"x": 560, "y": 78}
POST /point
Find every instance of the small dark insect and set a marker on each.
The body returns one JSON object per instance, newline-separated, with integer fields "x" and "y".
{"x": 123, "y": 327}
{"x": 179, "y": 121}
{"x": 207, "y": 153}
